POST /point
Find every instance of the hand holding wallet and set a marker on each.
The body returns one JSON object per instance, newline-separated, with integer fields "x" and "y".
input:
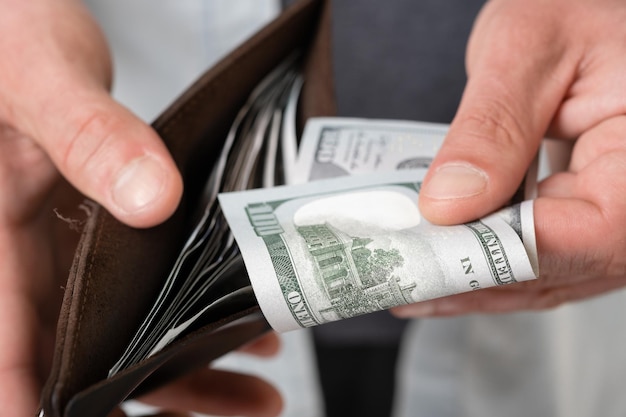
{"x": 119, "y": 271}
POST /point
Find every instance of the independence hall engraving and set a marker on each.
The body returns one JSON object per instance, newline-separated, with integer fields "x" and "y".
{"x": 341, "y": 262}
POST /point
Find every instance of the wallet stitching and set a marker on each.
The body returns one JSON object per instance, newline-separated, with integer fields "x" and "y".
{"x": 89, "y": 273}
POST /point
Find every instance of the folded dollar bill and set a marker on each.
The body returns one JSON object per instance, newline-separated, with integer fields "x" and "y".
{"x": 334, "y": 249}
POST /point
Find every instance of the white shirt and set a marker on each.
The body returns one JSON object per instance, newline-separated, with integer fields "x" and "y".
{"x": 160, "y": 46}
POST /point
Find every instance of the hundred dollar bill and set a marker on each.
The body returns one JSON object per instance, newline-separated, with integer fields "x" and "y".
{"x": 334, "y": 249}
{"x": 336, "y": 146}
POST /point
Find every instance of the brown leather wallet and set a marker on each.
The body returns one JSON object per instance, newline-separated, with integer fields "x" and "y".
{"x": 118, "y": 271}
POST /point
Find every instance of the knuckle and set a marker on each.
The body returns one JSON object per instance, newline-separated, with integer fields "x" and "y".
{"x": 492, "y": 125}
{"x": 494, "y": 121}
{"x": 616, "y": 262}
{"x": 549, "y": 299}
{"x": 84, "y": 150}
{"x": 606, "y": 255}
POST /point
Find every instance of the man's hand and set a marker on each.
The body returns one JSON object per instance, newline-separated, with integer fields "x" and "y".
{"x": 540, "y": 68}
{"x": 210, "y": 391}
{"x": 57, "y": 120}
{"x": 54, "y": 84}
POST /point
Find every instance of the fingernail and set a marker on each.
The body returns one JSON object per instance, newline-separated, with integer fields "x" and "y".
{"x": 139, "y": 184}
{"x": 456, "y": 180}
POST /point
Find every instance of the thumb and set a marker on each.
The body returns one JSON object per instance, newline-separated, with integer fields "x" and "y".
{"x": 109, "y": 155}
{"x": 516, "y": 80}
{"x": 54, "y": 90}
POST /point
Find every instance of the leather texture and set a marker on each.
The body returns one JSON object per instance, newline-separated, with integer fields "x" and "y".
{"x": 118, "y": 270}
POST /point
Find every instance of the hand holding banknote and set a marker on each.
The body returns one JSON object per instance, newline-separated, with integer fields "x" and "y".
{"x": 531, "y": 71}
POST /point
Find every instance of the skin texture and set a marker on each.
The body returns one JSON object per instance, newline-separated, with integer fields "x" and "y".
{"x": 60, "y": 132}
{"x": 541, "y": 68}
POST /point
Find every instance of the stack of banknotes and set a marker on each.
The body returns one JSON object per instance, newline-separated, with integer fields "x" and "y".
{"x": 327, "y": 225}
